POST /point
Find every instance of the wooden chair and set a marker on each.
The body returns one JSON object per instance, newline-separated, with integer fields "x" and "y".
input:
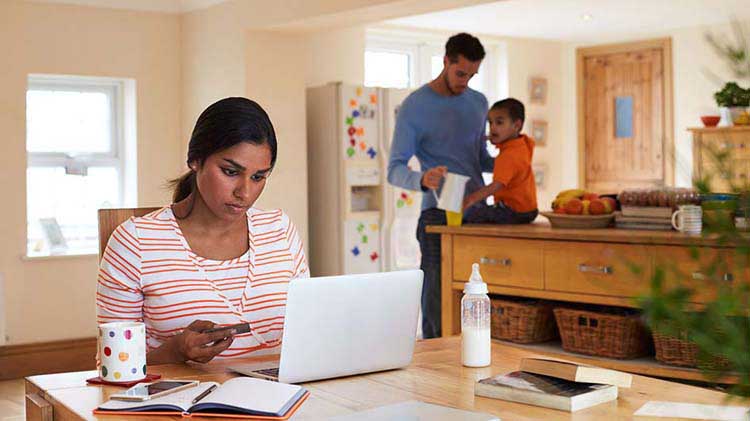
{"x": 109, "y": 219}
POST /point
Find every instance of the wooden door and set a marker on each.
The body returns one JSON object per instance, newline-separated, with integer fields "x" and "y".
{"x": 625, "y": 120}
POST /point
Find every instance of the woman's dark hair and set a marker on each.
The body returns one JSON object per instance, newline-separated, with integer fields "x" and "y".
{"x": 515, "y": 108}
{"x": 222, "y": 125}
{"x": 466, "y": 45}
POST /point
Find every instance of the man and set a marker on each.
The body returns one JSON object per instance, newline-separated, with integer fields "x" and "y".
{"x": 443, "y": 124}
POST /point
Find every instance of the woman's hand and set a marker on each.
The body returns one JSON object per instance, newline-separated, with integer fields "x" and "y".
{"x": 192, "y": 345}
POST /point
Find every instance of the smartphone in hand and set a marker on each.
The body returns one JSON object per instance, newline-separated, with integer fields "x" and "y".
{"x": 238, "y": 328}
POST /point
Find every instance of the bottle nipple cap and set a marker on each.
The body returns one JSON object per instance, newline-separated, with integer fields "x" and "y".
{"x": 475, "y": 285}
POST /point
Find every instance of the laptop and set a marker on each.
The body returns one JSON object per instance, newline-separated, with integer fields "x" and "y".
{"x": 344, "y": 325}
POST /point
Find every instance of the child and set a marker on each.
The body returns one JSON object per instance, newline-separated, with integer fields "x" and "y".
{"x": 513, "y": 184}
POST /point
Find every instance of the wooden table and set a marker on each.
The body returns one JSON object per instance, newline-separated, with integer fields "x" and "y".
{"x": 435, "y": 375}
{"x": 580, "y": 265}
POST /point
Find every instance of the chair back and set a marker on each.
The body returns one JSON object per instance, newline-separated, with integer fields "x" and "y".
{"x": 109, "y": 219}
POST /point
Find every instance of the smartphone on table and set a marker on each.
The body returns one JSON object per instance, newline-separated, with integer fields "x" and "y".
{"x": 146, "y": 391}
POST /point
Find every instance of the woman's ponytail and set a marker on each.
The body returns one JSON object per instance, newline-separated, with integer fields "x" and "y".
{"x": 183, "y": 187}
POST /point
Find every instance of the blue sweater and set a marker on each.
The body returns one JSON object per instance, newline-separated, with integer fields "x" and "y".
{"x": 440, "y": 130}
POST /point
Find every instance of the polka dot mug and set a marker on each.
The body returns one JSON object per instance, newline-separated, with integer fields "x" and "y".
{"x": 122, "y": 351}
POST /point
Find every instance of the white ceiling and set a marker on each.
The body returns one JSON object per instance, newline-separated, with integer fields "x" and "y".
{"x": 167, "y": 6}
{"x": 563, "y": 20}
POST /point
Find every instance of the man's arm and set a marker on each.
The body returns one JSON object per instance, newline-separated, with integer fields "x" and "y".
{"x": 403, "y": 147}
{"x": 482, "y": 193}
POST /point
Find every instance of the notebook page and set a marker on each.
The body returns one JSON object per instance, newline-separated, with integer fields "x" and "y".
{"x": 177, "y": 401}
{"x": 693, "y": 411}
{"x": 252, "y": 394}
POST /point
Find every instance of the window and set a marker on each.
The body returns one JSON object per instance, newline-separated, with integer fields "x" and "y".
{"x": 75, "y": 161}
{"x": 391, "y": 62}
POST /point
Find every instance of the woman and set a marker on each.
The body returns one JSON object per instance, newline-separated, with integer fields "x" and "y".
{"x": 210, "y": 255}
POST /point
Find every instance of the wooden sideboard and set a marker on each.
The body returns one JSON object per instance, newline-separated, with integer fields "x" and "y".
{"x": 597, "y": 266}
{"x": 733, "y": 141}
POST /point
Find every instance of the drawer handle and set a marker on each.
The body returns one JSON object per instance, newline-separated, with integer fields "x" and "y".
{"x": 728, "y": 277}
{"x": 607, "y": 270}
{"x": 489, "y": 261}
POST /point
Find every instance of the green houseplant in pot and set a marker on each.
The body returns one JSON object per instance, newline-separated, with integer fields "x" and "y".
{"x": 736, "y": 99}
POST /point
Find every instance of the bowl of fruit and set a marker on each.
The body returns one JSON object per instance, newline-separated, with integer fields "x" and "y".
{"x": 578, "y": 208}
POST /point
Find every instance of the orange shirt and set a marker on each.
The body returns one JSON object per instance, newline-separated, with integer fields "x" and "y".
{"x": 513, "y": 170}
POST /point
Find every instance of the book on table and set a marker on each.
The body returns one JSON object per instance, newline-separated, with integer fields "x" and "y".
{"x": 575, "y": 372}
{"x": 241, "y": 397}
{"x": 546, "y": 391}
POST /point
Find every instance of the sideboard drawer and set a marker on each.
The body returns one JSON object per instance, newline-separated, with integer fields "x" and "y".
{"x": 503, "y": 261}
{"x": 703, "y": 269}
{"x": 596, "y": 268}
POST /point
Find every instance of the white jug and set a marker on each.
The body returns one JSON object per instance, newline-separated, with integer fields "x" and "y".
{"x": 452, "y": 196}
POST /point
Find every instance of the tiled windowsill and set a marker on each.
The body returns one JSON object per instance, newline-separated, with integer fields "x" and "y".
{"x": 63, "y": 256}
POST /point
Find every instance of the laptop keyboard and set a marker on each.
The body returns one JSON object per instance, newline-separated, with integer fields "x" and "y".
{"x": 270, "y": 372}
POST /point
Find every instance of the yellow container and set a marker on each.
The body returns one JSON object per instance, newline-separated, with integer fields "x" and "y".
{"x": 454, "y": 218}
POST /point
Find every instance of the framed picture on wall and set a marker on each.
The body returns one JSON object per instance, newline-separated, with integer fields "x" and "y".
{"x": 538, "y": 91}
{"x": 540, "y": 175}
{"x": 539, "y": 132}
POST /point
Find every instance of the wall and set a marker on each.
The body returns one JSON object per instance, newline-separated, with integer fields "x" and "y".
{"x": 54, "y": 299}
{"x": 529, "y": 58}
{"x": 693, "y": 87}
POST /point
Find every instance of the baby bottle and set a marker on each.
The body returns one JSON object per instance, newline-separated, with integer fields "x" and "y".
{"x": 475, "y": 322}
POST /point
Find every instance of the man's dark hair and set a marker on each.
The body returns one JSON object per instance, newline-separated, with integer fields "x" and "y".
{"x": 515, "y": 108}
{"x": 466, "y": 45}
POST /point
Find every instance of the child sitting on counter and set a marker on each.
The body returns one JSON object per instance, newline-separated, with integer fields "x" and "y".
{"x": 513, "y": 184}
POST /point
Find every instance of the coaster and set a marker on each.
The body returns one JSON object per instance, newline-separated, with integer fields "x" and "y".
{"x": 148, "y": 378}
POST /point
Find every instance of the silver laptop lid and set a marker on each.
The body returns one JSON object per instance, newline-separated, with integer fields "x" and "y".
{"x": 342, "y": 325}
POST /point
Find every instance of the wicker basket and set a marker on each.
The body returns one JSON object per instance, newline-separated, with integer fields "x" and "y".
{"x": 614, "y": 334}
{"x": 522, "y": 321}
{"x": 682, "y": 352}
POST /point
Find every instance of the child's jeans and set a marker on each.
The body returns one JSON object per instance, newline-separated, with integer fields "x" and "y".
{"x": 497, "y": 214}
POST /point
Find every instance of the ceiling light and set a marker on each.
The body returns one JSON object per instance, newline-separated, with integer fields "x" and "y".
{"x": 586, "y": 17}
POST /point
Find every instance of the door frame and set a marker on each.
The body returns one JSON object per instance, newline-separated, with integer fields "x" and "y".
{"x": 665, "y": 44}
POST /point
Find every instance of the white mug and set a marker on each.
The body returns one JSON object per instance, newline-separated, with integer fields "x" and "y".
{"x": 688, "y": 219}
{"x": 122, "y": 351}
{"x": 452, "y": 195}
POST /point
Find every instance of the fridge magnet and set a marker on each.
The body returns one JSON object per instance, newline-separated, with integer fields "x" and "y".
{"x": 351, "y": 131}
{"x": 538, "y": 91}
{"x": 400, "y": 203}
{"x": 350, "y": 151}
{"x": 539, "y": 132}
{"x": 540, "y": 175}
{"x": 355, "y": 251}
{"x": 355, "y": 113}
{"x": 374, "y": 256}
{"x": 374, "y": 227}
{"x": 362, "y": 145}
{"x": 359, "y": 91}
{"x": 373, "y": 98}
{"x": 353, "y": 103}
{"x": 360, "y": 227}
{"x": 352, "y": 142}
{"x": 364, "y": 239}
{"x": 349, "y": 121}
{"x": 360, "y": 131}
{"x": 371, "y": 152}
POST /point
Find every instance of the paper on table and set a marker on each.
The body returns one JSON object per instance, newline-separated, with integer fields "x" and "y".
{"x": 694, "y": 411}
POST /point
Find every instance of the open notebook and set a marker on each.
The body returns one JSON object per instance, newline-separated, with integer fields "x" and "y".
{"x": 241, "y": 397}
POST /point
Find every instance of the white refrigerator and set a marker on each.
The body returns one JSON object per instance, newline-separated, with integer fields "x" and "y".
{"x": 358, "y": 222}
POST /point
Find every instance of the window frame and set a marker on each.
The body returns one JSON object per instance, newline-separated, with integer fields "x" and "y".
{"x": 114, "y": 158}
{"x": 384, "y": 46}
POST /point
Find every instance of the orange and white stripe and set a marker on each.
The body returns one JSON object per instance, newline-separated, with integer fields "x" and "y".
{"x": 149, "y": 273}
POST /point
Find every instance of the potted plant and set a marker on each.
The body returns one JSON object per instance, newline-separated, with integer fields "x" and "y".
{"x": 736, "y": 99}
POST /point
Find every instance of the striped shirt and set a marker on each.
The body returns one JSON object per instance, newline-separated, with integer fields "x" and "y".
{"x": 149, "y": 273}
